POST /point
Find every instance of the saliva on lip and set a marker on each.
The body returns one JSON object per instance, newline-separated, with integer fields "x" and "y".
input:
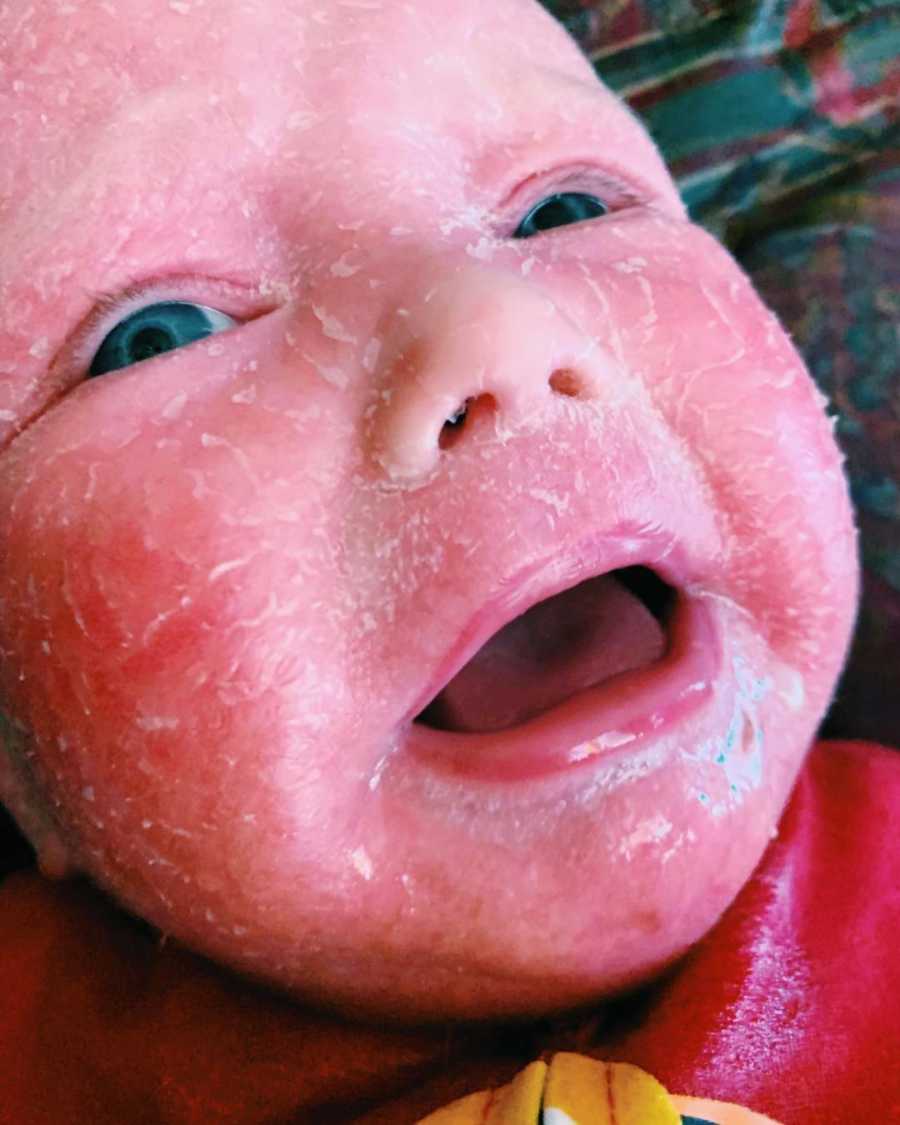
{"x": 610, "y": 740}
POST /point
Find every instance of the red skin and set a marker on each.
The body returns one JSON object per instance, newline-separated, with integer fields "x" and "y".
{"x": 228, "y": 574}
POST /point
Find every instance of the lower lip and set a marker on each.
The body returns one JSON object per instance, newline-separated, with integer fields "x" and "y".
{"x": 617, "y": 717}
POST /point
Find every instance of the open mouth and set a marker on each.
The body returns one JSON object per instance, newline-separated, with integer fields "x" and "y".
{"x": 606, "y": 663}
{"x": 580, "y": 638}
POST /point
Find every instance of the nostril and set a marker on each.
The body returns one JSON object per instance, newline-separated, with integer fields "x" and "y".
{"x": 452, "y": 429}
{"x": 566, "y": 382}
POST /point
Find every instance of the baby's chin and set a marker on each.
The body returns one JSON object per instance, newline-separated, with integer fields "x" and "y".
{"x": 536, "y": 894}
{"x": 622, "y": 871}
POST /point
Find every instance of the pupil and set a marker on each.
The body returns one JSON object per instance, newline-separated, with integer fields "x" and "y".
{"x": 151, "y": 341}
{"x": 556, "y": 213}
{"x": 561, "y": 210}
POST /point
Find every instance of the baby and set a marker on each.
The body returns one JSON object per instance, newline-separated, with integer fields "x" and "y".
{"x": 424, "y": 562}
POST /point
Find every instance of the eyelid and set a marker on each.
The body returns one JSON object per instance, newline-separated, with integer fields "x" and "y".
{"x": 615, "y": 191}
{"x": 240, "y": 302}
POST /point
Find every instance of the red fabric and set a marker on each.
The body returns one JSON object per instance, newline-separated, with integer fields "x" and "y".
{"x": 789, "y": 1006}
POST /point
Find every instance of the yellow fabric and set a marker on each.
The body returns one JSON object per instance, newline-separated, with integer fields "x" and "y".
{"x": 577, "y": 1090}
{"x": 513, "y": 1104}
{"x": 585, "y": 1090}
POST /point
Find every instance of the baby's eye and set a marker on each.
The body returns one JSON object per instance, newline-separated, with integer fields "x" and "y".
{"x": 560, "y": 210}
{"x": 156, "y": 329}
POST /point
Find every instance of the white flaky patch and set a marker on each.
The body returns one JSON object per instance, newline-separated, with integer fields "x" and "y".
{"x": 740, "y": 752}
{"x": 332, "y": 327}
{"x": 790, "y": 686}
{"x": 607, "y": 741}
{"x": 359, "y": 857}
{"x": 649, "y": 831}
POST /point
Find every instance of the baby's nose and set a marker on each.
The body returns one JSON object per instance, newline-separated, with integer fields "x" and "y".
{"x": 482, "y": 341}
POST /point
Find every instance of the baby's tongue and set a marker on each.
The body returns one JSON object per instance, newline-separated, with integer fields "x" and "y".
{"x": 559, "y": 647}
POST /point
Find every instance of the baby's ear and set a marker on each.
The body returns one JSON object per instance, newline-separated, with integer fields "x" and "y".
{"x": 21, "y": 796}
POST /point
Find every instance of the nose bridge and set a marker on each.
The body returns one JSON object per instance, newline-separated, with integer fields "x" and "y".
{"x": 481, "y": 332}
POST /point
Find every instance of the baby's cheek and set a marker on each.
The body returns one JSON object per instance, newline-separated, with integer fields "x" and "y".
{"x": 756, "y": 423}
{"x": 171, "y": 640}
{"x": 689, "y": 329}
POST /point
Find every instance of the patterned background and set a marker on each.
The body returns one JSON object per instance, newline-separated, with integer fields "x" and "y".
{"x": 780, "y": 120}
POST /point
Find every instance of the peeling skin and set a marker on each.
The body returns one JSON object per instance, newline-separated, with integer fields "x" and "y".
{"x": 228, "y": 573}
{"x": 739, "y": 751}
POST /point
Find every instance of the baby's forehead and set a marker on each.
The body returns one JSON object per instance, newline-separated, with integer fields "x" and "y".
{"x": 79, "y": 54}
{"x": 152, "y": 75}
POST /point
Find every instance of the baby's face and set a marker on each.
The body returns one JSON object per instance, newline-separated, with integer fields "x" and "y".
{"x": 265, "y": 660}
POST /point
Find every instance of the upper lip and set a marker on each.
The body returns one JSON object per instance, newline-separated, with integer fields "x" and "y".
{"x": 564, "y": 568}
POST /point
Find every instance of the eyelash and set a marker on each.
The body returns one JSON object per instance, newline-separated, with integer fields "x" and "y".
{"x": 110, "y": 309}
{"x": 615, "y": 192}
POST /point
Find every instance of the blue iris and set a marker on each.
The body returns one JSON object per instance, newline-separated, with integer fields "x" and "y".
{"x": 560, "y": 210}
{"x": 156, "y": 329}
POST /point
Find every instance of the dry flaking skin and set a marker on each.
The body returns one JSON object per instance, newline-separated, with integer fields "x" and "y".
{"x": 232, "y": 575}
